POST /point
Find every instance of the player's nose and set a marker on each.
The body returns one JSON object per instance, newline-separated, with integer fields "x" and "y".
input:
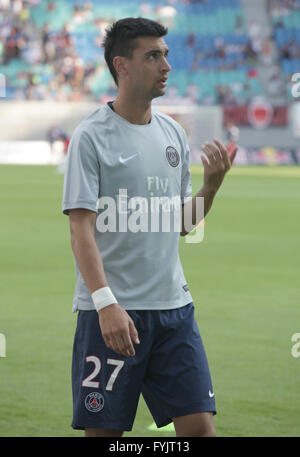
{"x": 166, "y": 67}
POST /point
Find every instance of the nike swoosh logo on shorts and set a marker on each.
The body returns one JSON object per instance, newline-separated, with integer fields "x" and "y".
{"x": 125, "y": 159}
{"x": 211, "y": 394}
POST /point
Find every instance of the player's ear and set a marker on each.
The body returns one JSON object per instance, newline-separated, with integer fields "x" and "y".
{"x": 119, "y": 63}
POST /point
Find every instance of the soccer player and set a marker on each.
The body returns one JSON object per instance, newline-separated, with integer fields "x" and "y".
{"x": 136, "y": 332}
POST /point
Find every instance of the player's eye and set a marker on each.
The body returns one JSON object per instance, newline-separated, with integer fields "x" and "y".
{"x": 157, "y": 55}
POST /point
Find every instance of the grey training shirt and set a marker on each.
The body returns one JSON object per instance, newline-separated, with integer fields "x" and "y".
{"x": 135, "y": 177}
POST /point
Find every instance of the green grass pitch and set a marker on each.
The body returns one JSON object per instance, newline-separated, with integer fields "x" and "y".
{"x": 244, "y": 278}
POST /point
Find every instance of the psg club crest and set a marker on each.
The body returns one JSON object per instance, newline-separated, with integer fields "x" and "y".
{"x": 94, "y": 402}
{"x": 172, "y": 156}
{"x": 260, "y": 113}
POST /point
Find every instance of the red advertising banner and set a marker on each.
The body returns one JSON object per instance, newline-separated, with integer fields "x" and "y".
{"x": 259, "y": 115}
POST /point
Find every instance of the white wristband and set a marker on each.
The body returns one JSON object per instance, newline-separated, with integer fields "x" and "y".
{"x": 103, "y": 297}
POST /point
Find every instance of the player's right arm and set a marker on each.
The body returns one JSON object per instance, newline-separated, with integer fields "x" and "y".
{"x": 118, "y": 329}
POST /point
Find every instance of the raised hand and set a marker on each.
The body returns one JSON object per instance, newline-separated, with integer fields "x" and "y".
{"x": 218, "y": 164}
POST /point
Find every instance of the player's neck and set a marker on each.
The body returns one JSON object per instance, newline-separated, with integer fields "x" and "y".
{"x": 132, "y": 109}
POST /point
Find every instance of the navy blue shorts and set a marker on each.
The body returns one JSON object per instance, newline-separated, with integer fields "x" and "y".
{"x": 170, "y": 369}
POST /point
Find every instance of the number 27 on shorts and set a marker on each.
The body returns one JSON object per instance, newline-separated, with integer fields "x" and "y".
{"x": 89, "y": 380}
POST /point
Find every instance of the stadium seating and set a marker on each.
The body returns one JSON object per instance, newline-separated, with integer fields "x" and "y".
{"x": 196, "y": 29}
{"x": 286, "y": 24}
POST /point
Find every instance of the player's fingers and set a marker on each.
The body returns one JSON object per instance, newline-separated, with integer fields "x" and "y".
{"x": 205, "y": 147}
{"x": 214, "y": 150}
{"x": 210, "y": 155}
{"x": 221, "y": 160}
{"x": 223, "y": 152}
{"x": 204, "y": 161}
{"x": 119, "y": 342}
{"x": 113, "y": 342}
{"x": 127, "y": 344}
{"x": 232, "y": 154}
{"x": 133, "y": 332}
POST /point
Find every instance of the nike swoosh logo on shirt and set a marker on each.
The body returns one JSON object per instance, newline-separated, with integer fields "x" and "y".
{"x": 126, "y": 159}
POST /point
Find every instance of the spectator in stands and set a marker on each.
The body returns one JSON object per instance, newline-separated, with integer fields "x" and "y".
{"x": 221, "y": 92}
{"x": 290, "y": 50}
{"x": 266, "y": 54}
{"x": 45, "y": 34}
{"x": 255, "y": 34}
{"x": 191, "y": 40}
{"x": 48, "y": 45}
{"x": 56, "y": 133}
{"x": 276, "y": 86}
{"x": 197, "y": 60}
{"x": 249, "y": 53}
{"x": 232, "y": 132}
{"x": 219, "y": 46}
{"x": 239, "y": 25}
{"x": 285, "y": 51}
{"x": 279, "y": 23}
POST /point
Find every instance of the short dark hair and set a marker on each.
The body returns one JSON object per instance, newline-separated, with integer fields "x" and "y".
{"x": 121, "y": 35}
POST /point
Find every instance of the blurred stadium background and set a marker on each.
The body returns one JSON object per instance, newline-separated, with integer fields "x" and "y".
{"x": 235, "y": 73}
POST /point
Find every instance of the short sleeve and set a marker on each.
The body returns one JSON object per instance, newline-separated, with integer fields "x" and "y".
{"x": 82, "y": 177}
{"x": 186, "y": 183}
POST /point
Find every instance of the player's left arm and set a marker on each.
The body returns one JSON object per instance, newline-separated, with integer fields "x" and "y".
{"x": 216, "y": 164}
